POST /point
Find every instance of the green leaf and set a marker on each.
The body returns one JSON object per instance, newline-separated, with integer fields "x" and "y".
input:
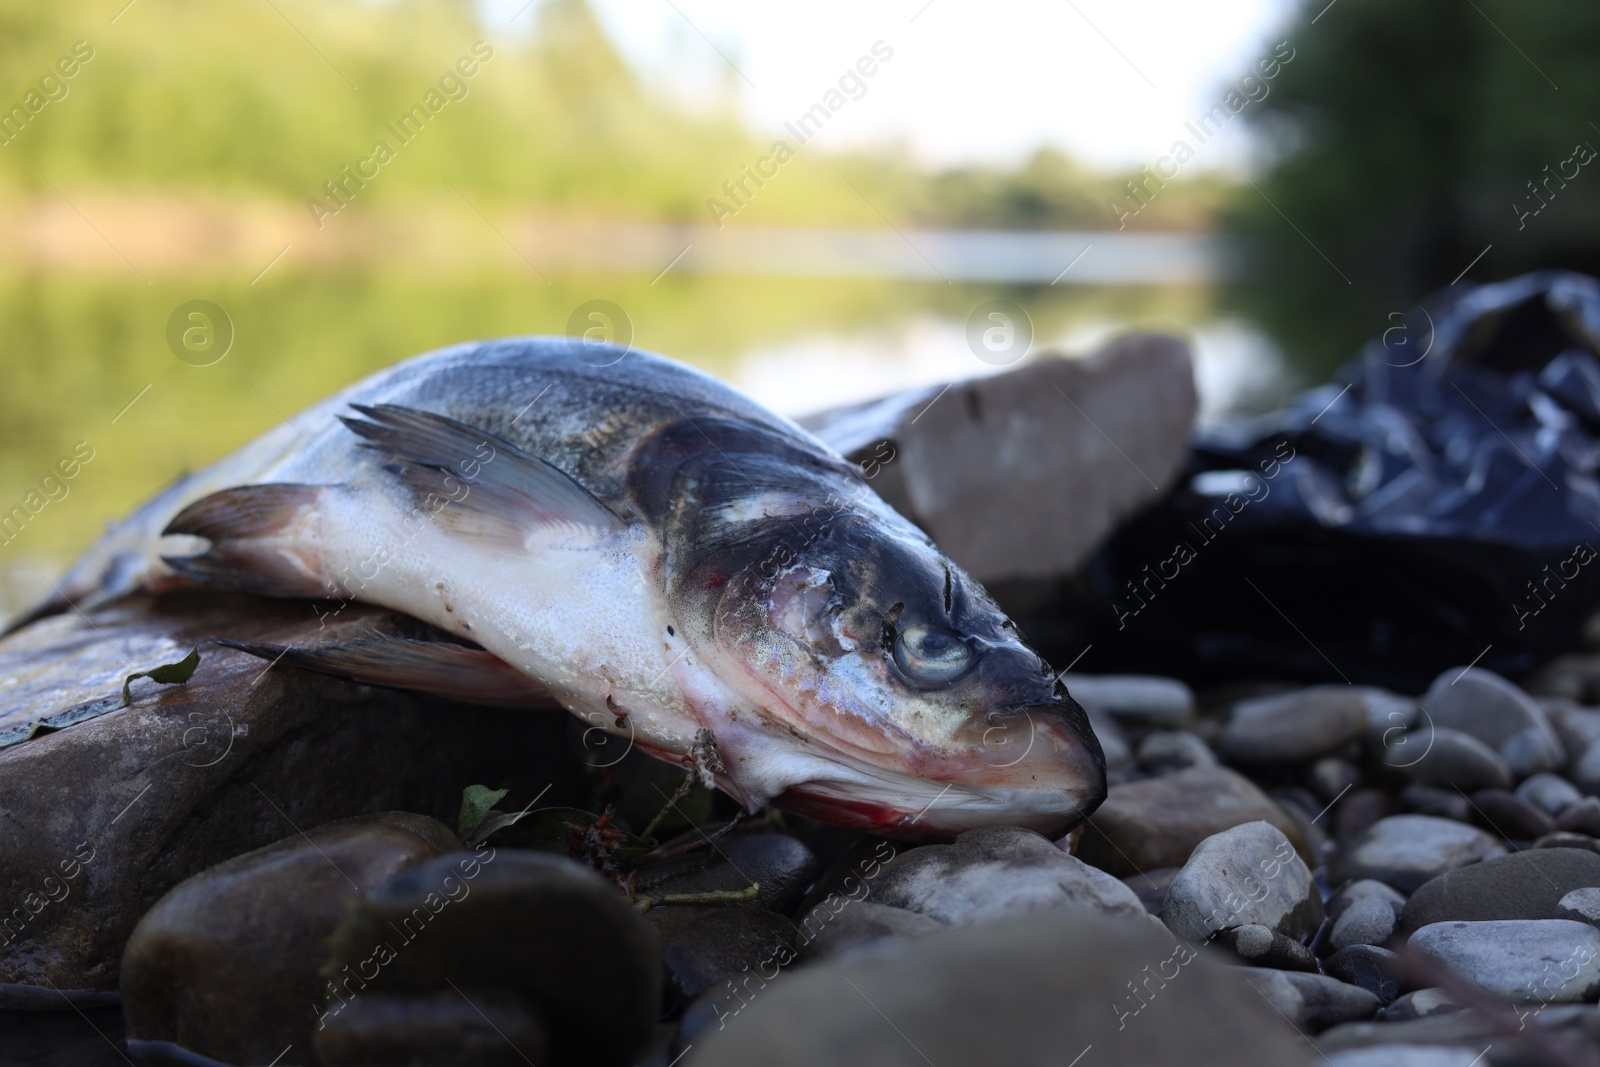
{"x": 166, "y": 674}
{"x": 476, "y": 801}
{"x": 495, "y": 820}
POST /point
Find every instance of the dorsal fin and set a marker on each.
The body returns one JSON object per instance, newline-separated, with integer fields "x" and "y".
{"x": 435, "y": 668}
{"x": 476, "y": 482}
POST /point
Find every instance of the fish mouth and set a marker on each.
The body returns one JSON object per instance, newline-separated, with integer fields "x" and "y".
{"x": 946, "y": 809}
{"x": 1047, "y": 774}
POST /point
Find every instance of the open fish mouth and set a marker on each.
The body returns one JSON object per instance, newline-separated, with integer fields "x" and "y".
{"x": 1034, "y": 770}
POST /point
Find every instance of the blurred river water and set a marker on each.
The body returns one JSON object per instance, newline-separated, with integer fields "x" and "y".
{"x": 801, "y": 319}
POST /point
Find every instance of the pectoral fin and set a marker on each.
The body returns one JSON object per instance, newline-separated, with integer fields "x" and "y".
{"x": 259, "y": 541}
{"x": 475, "y": 482}
{"x": 435, "y": 668}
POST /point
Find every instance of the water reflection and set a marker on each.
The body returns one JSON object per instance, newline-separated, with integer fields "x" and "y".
{"x": 87, "y": 358}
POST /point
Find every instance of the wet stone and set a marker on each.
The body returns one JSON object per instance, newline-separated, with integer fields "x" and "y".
{"x": 1550, "y": 793}
{"x": 1401, "y": 1055}
{"x": 1001, "y": 993}
{"x": 1313, "y": 1002}
{"x": 1377, "y": 970}
{"x": 1249, "y": 874}
{"x": 1574, "y": 676}
{"x": 1367, "y": 921}
{"x": 1405, "y": 851}
{"x": 1533, "y": 750}
{"x": 1169, "y": 750}
{"x": 1441, "y": 802}
{"x": 1262, "y": 946}
{"x": 1581, "y": 818}
{"x": 264, "y": 914}
{"x": 1468, "y": 1029}
{"x": 1509, "y": 815}
{"x": 1483, "y": 704}
{"x": 1578, "y": 727}
{"x": 472, "y": 1027}
{"x": 543, "y": 926}
{"x": 1388, "y": 714}
{"x": 1525, "y": 960}
{"x": 1440, "y": 755}
{"x": 1526, "y": 885}
{"x": 1419, "y": 1004}
{"x": 824, "y": 931}
{"x": 123, "y": 806}
{"x": 1582, "y": 905}
{"x": 1157, "y": 822}
{"x": 1293, "y": 727}
{"x": 1352, "y": 893}
{"x": 1139, "y": 701}
{"x": 1567, "y": 839}
{"x": 1331, "y": 777}
{"x": 728, "y": 943}
{"x": 1585, "y": 769}
{"x": 996, "y": 872}
{"x": 1359, "y": 811}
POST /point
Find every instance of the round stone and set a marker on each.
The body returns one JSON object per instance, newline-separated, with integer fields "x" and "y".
{"x": 1293, "y": 727}
{"x": 1367, "y": 921}
{"x": 1550, "y": 793}
{"x": 1582, "y": 905}
{"x": 1549, "y": 961}
{"x": 1527, "y": 885}
{"x": 1405, "y": 851}
{"x": 1252, "y": 940}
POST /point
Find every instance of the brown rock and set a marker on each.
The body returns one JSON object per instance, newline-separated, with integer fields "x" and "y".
{"x": 226, "y": 963}
{"x": 542, "y": 926}
{"x": 1114, "y": 426}
{"x": 105, "y": 816}
{"x": 470, "y": 1027}
{"x": 1157, "y": 822}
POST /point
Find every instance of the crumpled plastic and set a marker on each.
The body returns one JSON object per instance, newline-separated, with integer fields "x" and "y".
{"x": 1438, "y": 504}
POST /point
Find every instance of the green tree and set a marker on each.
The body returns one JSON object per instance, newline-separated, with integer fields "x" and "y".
{"x": 1404, "y": 139}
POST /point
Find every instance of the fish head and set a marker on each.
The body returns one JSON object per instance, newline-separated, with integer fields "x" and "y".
{"x": 871, "y": 681}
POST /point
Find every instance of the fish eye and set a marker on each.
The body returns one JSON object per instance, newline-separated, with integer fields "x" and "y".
{"x": 930, "y": 656}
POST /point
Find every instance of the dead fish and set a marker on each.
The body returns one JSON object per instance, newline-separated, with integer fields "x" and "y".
{"x": 640, "y": 543}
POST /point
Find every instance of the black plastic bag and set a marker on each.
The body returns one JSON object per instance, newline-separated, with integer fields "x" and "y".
{"x": 1438, "y": 505}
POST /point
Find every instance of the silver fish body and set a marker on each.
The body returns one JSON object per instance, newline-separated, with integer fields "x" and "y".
{"x": 653, "y": 551}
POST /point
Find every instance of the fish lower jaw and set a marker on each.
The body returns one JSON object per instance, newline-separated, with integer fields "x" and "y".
{"x": 922, "y": 808}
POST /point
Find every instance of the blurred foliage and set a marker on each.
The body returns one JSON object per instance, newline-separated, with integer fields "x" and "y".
{"x": 243, "y": 95}
{"x": 200, "y": 128}
{"x": 1405, "y": 135}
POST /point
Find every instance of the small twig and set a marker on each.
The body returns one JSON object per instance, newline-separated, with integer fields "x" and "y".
{"x": 682, "y": 791}
{"x": 689, "y": 846}
{"x": 714, "y": 896}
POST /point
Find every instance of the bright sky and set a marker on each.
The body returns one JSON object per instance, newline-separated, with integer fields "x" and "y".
{"x": 1109, "y": 81}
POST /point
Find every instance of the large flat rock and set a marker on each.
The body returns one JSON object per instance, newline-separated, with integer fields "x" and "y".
{"x": 99, "y": 819}
{"x": 1022, "y": 474}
